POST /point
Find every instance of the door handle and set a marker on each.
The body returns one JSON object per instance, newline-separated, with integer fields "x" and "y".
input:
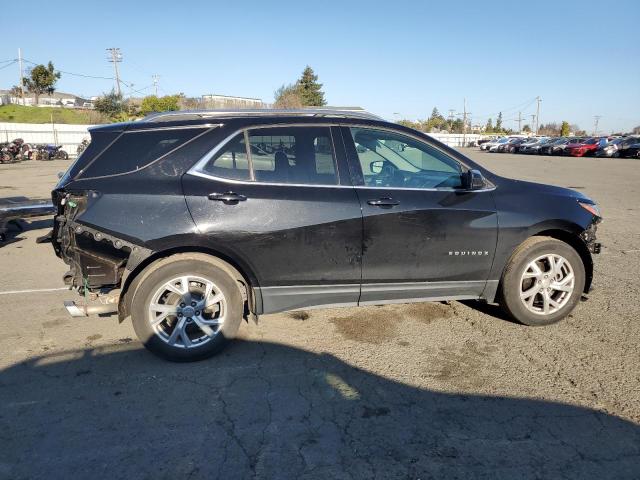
{"x": 383, "y": 202}
{"x": 227, "y": 197}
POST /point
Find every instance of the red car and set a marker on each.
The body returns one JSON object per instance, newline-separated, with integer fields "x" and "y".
{"x": 585, "y": 147}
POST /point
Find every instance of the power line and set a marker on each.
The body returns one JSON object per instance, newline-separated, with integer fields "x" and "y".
{"x": 73, "y": 73}
{"x": 8, "y": 64}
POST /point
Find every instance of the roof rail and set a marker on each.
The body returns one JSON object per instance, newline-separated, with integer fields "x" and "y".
{"x": 267, "y": 112}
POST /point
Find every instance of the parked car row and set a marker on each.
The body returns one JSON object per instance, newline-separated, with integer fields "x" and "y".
{"x": 627, "y": 146}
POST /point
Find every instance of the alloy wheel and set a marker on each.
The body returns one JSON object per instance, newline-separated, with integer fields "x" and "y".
{"x": 187, "y": 311}
{"x": 547, "y": 284}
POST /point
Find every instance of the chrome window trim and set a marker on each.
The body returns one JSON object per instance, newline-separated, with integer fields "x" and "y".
{"x": 176, "y": 127}
{"x": 196, "y": 170}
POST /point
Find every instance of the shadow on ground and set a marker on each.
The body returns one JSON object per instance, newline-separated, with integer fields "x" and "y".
{"x": 272, "y": 411}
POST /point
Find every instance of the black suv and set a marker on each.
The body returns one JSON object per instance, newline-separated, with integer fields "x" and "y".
{"x": 188, "y": 222}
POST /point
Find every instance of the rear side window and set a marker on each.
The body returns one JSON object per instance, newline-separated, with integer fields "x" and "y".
{"x": 137, "y": 149}
{"x": 231, "y": 161}
{"x": 302, "y": 155}
{"x": 289, "y": 155}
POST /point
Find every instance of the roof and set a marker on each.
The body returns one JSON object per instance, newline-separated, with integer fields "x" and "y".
{"x": 264, "y": 112}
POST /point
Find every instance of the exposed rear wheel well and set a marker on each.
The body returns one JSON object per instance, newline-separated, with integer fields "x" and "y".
{"x": 246, "y": 279}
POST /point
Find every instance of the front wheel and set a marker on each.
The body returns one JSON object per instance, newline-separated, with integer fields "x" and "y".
{"x": 185, "y": 308}
{"x": 62, "y": 155}
{"x": 542, "y": 282}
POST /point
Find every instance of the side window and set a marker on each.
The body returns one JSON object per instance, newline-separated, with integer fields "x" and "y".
{"x": 231, "y": 161}
{"x": 392, "y": 160}
{"x": 134, "y": 150}
{"x": 302, "y": 155}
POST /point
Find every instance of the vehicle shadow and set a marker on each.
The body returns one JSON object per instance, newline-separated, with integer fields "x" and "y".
{"x": 272, "y": 411}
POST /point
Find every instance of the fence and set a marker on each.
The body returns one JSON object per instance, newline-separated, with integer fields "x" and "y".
{"x": 69, "y": 136}
{"x": 457, "y": 139}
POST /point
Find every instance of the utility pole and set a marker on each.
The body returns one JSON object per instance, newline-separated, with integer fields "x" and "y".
{"x": 21, "y": 77}
{"x": 538, "y": 99}
{"x": 519, "y": 122}
{"x": 464, "y": 123}
{"x": 595, "y": 126}
{"x": 533, "y": 122}
{"x": 115, "y": 58}
{"x": 451, "y": 112}
{"x": 155, "y": 83}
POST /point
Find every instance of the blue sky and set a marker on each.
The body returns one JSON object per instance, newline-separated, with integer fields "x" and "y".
{"x": 397, "y": 59}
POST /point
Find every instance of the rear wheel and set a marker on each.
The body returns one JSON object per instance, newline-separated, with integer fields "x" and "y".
{"x": 185, "y": 308}
{"x": 542, "y": 282}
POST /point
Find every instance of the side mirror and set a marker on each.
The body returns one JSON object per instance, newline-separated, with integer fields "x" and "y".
{"x": 60, "y": 175}
{"x": 376, "y": 167}
{"x": 473, "y": 180}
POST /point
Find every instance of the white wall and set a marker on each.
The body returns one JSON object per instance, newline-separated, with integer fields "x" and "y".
{"x": 69, "y": 136}
{"x": 456, "y": 139}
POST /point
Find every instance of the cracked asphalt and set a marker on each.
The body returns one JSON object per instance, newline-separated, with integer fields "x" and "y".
{"x": 404, "y": 391}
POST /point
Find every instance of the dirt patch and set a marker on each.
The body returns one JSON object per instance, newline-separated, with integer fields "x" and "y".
{"x": 368, "y": 324}
{"x": 92, "y": 338}
{"x": 56, "y": 322}
{"x": 299, "y": 315}
{"x": 427, "y": 312}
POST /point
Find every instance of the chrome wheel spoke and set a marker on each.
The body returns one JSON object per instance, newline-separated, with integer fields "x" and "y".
{"x": 179, "y": 333}
{"x": 204, "y": 326}
{"x": 529, "y": 293}
{"x": 214, "y": 300}
{"x": 545, "y": 302}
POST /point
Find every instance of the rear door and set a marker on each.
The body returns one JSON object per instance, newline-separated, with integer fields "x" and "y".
{"x": 279, "y": 200}
{"x": 424, "y": 236}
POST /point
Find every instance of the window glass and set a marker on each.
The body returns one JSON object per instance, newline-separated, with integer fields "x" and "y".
{"x": 135, "y": 150}
{"x": 231, "y": 161}
{"x": 392, "y": 160}
{"x": 301, "y": 155}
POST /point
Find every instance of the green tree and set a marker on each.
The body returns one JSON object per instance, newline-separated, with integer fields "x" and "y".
{"x": 152, "y": 104}
{"x": 309, "y": 89}
{"x": 489, "y": 126}
{"x": 288, "y": 96}
{"x": 435, "y": 114}
{"x": 564, "y": 129}
{"x": 499, "y": 123}
{"x": 526, "y": 129}
{"x": 110, "y": 105}
{"x": 41, "y": 80}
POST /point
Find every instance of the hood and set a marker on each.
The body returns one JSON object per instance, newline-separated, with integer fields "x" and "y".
{"x": 544, "y": 189}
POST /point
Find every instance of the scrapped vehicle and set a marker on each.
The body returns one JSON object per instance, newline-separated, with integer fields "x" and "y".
{"x": 533, "y": 147}
{"x": 583, "y": 148}
{"x": 487, "y": 144}
{"x": 498, "y": 145}
{"x": 554, "y": 147}
{"x": 178, "y": 223}
{"x": 14, "y": 209}
{"x": 512, "y": 145}
{"x": 616, "y": 147}
{"x": 630, "y": 151}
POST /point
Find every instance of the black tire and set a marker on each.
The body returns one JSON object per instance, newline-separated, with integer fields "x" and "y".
{"x": 62, "y": 155}
{"x": 163, "y": 271}
{"x": 512, "y": 282}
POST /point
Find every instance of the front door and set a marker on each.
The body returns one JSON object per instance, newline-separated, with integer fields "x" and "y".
{"x": 425, "y": 237}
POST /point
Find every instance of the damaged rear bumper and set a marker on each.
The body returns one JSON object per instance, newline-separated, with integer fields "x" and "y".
{"x": 98, "y": 261}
